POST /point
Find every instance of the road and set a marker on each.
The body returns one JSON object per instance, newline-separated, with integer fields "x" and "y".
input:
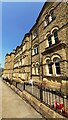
{"x": 14, "y": 106}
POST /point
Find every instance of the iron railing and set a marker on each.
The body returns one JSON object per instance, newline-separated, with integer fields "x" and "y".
{"x": 50, "y": 97}
{"x": 33, "y": 89}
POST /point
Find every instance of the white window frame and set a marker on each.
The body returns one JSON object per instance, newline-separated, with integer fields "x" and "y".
{"x": 37, "y": 68}
{"x": 35, "y": 50}
{"x": 47, "y": 68}
{"x": 57, "y": 60}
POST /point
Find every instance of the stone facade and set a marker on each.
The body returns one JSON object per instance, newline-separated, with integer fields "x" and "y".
{"x": 42, "y": 55}
{"x": 51, "y": 26}
{"x": 21, "y": 60}
{"x": 9, "y": 65}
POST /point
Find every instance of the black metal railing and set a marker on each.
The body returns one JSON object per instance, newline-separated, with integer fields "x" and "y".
{"x": 55, "y": 100}
{"x": 33, "y": 90}
{"x": 52, "y": 98}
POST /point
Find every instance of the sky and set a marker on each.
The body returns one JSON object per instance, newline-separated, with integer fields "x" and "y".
{"x": 17, "y": 19}
{"x": 0, "y": 32}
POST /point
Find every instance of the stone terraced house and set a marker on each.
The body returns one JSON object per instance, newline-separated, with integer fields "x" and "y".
{"x": 9, "y": 65}
{"x": 21, "y": 61}
{"x": 43, "y": 53}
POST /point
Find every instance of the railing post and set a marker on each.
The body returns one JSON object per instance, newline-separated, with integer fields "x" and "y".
{"x": 65, "y": 102}
{"x": 16, "y": 84}
{"x": 24, "y": 86}
{"x": 41, "y": 93}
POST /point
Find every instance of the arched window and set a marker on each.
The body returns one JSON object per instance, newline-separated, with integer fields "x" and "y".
{"x": 57, "y": 66}
{"x": 49, "y": 63}
{"x": 54, "y": 33}
{"x": 33, "y": 69}
{"x": 35, "y": 33}
{"x": 49, "y": 41}
{"x": 51, "y": 15}
{"x": 55, "y": 36}
{"x": 46, "y": 37}
{"x": 37, "y": 68}
{"x": 46, "y": 22}
{"x": 35, "y": 49}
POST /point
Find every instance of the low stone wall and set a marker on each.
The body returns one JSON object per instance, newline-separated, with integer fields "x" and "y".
{"x": 40, "y": 107}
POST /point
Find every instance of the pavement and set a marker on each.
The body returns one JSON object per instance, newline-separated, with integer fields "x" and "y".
{"x": 14, "y": 106}
{"x": 0, "y": 99}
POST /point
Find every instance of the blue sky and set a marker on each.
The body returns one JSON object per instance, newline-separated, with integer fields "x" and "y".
{"x": 17, "y": 19}
{"x": 0, "y": 32}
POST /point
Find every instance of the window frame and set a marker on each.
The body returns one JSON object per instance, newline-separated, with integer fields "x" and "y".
{"x": 37, "y": 68}
{"x": 52, "y": 15}
{"x": 49, "y": 18}
{"x": 35, "y": 33}
{"x": 49, "y": 41}
{"x": 50, "y": 68}
{"x": 35, "y": 49}
{"x": 49, "y": 65}
{"x": 55, "y": 37}
{"x": 57, "y": 67}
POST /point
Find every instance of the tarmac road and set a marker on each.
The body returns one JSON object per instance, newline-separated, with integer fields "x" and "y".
{"x": 14, "y": 106}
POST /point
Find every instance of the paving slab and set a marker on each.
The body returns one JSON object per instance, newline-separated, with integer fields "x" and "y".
{"x": 13, "y": 106}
